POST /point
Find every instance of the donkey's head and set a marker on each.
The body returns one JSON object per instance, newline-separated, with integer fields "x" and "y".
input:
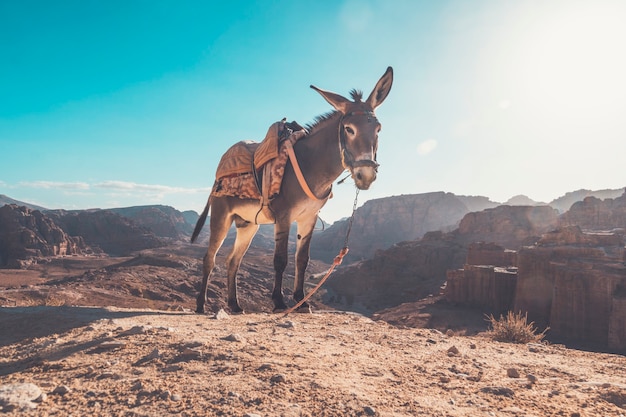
{"x": 358, "y": 129}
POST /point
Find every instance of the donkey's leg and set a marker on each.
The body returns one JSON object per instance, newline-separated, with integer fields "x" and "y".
{"x": 219, "y": 229}
{"x": 305, "y": 232}
{"x": 245, "y": 233}
{"x": 281, "y": 237}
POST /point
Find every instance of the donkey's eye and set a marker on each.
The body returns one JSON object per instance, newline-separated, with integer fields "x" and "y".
{"x": 349, "y": 130}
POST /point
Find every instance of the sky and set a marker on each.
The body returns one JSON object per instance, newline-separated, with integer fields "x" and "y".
{"x": 122, "y": 103}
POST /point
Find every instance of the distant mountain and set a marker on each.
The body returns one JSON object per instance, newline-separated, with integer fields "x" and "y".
{"x": 563, "y": 203}
{"x": 522, "y": 200}
{"x": 8, "y": 200}
{"x": 163, "y": 221}
{"x": 382, "y": 222}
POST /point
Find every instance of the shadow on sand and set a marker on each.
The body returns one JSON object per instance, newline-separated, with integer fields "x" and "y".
{"x": 20, "y": 323}
{"x": 23, "y": 324}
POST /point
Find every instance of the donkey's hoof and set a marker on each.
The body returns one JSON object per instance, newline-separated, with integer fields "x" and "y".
{"x": 304, "y": 308}
{"x": 279, "y": 306}
{"x": 235, "y": 309}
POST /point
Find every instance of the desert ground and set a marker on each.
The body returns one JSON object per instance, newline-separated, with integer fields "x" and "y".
{"x": 117, "y": 337}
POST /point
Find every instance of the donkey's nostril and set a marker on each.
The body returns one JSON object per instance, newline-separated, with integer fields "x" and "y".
{"x": 359, "y": 176}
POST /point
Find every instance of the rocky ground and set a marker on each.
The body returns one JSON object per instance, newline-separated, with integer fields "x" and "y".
{"x": 64, "y": 351}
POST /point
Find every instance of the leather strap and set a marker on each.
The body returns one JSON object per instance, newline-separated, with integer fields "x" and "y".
{"x": 298, "y": 172}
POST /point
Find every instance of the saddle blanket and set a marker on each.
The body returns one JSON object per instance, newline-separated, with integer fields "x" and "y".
{"x": 235, "y": 175}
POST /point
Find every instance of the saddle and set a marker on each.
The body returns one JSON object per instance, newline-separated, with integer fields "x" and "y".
{"x": 254, "y": 170}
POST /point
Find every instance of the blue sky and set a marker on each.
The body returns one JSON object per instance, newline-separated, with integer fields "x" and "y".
{"x": 120, "y": 103}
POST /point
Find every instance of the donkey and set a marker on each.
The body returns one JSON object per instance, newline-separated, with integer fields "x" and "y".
{"x": 346, "y": 138}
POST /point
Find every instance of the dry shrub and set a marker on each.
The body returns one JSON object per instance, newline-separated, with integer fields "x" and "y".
{"x": 514, "y": 328}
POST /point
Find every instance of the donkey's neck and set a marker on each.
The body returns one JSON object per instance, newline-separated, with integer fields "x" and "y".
{"x": 319, "y": 155}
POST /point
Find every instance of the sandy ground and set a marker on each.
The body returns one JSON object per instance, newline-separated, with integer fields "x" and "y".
{"x": 64, "y": 352}
{"x": 137, "y": 362}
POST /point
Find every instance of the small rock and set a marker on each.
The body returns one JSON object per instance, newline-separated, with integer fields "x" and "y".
{"x": 472, "y": 345}
{"x": 431, "y": 341}
{"x": 136, "y": 386}
{"x": 191, "y": 353}
{"x": 111, "y": 345}
{"x": 512, "y": 373}
{"x": 453, "y": 351}
{"x": 449, "y": 333}
{"x": 62, "y": 390}
{"x": 221, "y": 315}
{"x": 176, "y": 397}
{"x": 233, "y": 337}
{"x": 251, "y": 415}
{"x": 155, "y": 354}
{"x": 135, "y": 330}
{"x": 265, "y": 367}
{"x": 287, "y": 324}
{"x": 531, "y": 378}
{"x": 503, "y": 391}
{"x": 172, "y": 368}
{"x": 278, "y": 379}
{"x": 19, "y": 396}
{"x": 370, "y": 411}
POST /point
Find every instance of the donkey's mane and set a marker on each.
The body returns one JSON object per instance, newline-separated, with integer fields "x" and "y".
{"x": 319, "y": 120}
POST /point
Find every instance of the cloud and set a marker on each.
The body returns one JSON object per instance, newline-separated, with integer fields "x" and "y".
{"x": 47, "y": 185}
{"x": 426, "y": 147}
{"x": 124, "y": 186}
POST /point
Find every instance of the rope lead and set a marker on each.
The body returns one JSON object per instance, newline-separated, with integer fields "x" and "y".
{"x": 336, "y": 262}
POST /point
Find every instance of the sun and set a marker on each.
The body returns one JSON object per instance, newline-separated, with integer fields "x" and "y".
{"x": 571, "y": 62}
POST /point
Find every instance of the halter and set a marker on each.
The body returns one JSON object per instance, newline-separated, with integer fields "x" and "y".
{"x": 347, "y": 160}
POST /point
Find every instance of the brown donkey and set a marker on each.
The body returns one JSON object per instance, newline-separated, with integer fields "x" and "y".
{"x": 346, "y": 138}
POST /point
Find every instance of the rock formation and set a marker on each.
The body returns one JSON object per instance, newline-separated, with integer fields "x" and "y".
{"x": 380, "y": 223}
{"x": 163, "y": 221}
{"x": 487, "y": 280}
{"x": 595, "y": 214}
{"x": 564, "y": 203}
{"x": 27, "y": 234}
{"x": 405, "y": 272}
{"x": 575, "y": 282}
{"x": 114, "y": 234}
{"x": 508, "y": 226}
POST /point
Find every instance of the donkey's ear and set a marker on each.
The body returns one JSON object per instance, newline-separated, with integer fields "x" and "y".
{"x": 379, "y": 94}
{"x": 338, "y": 102}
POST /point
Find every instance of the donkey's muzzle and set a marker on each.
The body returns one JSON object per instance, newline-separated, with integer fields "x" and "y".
{"x": 364, "y": 174}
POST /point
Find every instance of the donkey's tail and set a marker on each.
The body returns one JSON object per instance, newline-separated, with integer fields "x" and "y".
{"x": 201, "y": 220}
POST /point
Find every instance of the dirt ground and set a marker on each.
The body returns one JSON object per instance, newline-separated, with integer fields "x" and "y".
{"x": 76, "y": 358}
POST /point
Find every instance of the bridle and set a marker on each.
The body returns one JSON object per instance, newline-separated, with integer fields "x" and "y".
{"x": 347, "y": 160}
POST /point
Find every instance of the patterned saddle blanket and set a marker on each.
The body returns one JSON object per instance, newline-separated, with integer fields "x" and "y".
{"x": 246, "y": 161}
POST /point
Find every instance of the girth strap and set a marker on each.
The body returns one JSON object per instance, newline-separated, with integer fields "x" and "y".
{"x": 298, "y": 172}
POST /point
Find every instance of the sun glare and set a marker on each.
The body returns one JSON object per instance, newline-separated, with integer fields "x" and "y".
{"x": 572, "y": 62}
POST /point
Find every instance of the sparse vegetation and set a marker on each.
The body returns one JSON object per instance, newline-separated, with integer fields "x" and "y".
{"x": 514, "y": 328}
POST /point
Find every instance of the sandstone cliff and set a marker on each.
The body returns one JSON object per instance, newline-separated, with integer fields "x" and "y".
{"x": 509, "y": 226}
{"x": 380, "y": 223}
{"x": 564, "y": 203}
{"x": 114, "y": 234}
{"x": 487, "y": 280}
{"x": 410, "y": 270}
{"x": 163, "y": 221}
{"x": 27, "y": 234}
{"x": 575, "y": 283}
{"x": 405, "y": 272}
{"x": 595, "y": 214}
